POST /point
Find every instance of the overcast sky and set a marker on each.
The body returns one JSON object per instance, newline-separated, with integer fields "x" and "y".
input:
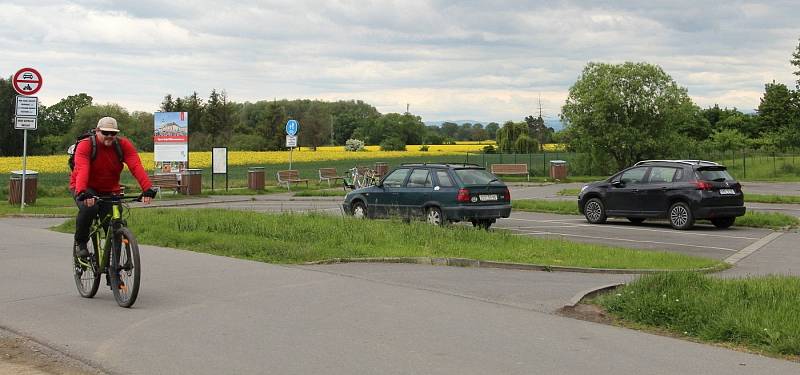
{"x": 449, "y": 60}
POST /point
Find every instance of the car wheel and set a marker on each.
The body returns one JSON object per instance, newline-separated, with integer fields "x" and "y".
{"x": 359, "y": 210}
{"x": 595, "y": 211}
{"x": 680, "y": 216}
{"x": 636, "y": 220}
{"x": 723, "y": 222}
{"x": 482, "y": 224}
{"x": 434, "y": 216}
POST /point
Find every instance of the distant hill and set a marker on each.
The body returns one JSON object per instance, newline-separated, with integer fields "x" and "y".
{"x": 459, "y": 122}
{"x": 552, "y": 123}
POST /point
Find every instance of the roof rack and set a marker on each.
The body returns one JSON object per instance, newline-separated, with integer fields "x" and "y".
{"x": 690, "y": 162}
{"x": 444, "y": 164}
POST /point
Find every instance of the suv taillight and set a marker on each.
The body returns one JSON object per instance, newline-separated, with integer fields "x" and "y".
{"x": 702, "y": 185}
{"x": 463, "y": 195}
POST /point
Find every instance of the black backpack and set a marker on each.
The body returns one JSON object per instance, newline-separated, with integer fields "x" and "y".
{"x": 90, "y": 135}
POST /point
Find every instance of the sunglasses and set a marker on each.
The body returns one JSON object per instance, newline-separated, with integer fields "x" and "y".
{"x": 108, "y": 133}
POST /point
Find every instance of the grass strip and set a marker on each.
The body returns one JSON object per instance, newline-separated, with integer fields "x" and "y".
{"x": 297, "y": 238}
{"x": 62, "y": 206}
{"x": 759, "y": 313}
{"x": 772, "y": 220}
{"x": 321, "y": 193}
{"x": 772, "y": 198}
{"x": 753, "y": 219}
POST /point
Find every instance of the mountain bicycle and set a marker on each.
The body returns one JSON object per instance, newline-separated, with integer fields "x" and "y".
{"x": 113, "y": 251}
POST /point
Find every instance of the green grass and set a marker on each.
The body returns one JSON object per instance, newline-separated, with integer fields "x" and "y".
{"x": 772, "y": 220}
{"x": 321, "y": 193}
{"x": 287, "y": 238}
{"x": 771, "y": 198}
{"x": 61, "y": 206}
{"x": 759, "y": 313}
{"x": 754, "y": 219}
{"x": 569, "y": 192}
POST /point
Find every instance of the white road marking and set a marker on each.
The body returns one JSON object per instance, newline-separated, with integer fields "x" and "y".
{"x": 524, "y": 233}
{"x": 752, "y": 248}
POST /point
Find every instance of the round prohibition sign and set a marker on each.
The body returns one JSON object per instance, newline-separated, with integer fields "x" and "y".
{"x": 27, "y": 81}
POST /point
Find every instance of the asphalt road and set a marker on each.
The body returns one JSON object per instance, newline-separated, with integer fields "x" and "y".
{"x": 203, "y": 314}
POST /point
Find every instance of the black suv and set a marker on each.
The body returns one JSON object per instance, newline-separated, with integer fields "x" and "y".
{"x": 679, "y": 190}
{"x": 439, "y": 193}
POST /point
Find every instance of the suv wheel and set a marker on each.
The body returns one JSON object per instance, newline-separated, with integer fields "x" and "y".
{"x": 434, "y": 216}
{"x": 680, "y": 216}
{"x": 723, "y": 222}
{"x": 595, "y": 211}
{"x": 359, "y": 211}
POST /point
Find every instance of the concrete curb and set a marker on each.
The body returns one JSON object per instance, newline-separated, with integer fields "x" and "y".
{"x": 578, "y": 297}
{"x": 462, "y": 262}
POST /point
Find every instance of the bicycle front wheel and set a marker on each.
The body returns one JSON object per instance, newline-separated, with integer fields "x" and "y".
{"x": 86, "y": 271}
{"x": 125, "y": 268}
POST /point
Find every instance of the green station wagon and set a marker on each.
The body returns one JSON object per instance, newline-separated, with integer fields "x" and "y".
{"x": 438, "y": 193}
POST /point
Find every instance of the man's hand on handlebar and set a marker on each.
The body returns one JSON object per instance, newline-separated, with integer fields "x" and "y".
{"x": 147, "y": 196}
{"x": 87, "y": 198}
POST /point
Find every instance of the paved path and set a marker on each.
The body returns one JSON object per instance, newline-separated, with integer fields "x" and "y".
{"x": 202, "y": 314}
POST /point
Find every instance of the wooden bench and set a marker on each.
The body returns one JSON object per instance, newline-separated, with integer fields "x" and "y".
{"x": 290, "y": 176}
{"x": 329, "y": 174}
{"x": 512, "y": 169}
{"x": 169, "y": 181}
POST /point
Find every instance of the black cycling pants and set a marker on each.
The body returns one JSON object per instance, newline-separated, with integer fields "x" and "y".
{"x": 83, "y": 222}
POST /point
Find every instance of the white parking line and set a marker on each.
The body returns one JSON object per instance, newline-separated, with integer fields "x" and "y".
{"x": 523, "y": 233}
{"x": 752, "y": 248}
{"x": 667, "y": 231}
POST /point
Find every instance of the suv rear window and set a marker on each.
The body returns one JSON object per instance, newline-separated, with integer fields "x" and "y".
{"x": 475, "y": 176}
{"x": 716, "y": 174}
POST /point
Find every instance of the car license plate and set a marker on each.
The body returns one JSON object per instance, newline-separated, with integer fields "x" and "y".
{"x": 727, "y": 191}
{"x": 488, "y": 197}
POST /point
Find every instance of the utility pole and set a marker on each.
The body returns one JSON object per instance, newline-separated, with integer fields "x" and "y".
{"x": 407, "y": 111}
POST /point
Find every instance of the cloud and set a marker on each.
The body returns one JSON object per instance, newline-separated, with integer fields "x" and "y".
{"x": 488, "y": 61}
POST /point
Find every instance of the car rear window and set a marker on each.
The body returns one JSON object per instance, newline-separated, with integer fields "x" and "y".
{"x": 475, "y": 176}
{"x": 444, "y": 178}
{"x": 716, "y": 174}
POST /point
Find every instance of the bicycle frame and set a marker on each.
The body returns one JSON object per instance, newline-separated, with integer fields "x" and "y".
{"x": 99, "y": 235}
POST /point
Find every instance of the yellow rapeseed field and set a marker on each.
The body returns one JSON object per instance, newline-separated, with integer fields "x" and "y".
{"x": 58, "y": 163}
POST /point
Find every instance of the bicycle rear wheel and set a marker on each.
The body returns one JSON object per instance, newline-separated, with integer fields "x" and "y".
{"x": 125, "y": 268}
{"x": 87, "y": 276}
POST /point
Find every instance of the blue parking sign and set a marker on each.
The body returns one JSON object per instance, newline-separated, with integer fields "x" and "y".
{"x": 292, "y": 127}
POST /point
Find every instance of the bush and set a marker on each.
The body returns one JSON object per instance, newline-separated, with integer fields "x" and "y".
{"x": 393, "y": 144}
{"x": 354, "y": 145}
{"x": 423, "y": 148}
{"x": 489, "y": 149}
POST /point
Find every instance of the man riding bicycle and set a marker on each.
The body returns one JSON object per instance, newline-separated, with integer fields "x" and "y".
{"x": 98, "y": 166}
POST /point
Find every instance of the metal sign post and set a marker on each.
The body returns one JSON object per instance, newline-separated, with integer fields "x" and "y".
{"x": 26, "y": 81}
{"x": 292, "y": 126}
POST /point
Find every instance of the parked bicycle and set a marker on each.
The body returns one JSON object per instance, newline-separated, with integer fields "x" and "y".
{"x": 113, "y": 251}
{"x": 360, "y": 177}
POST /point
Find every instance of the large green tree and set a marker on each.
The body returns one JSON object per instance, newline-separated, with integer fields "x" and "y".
{"x": 55, "y": 121}
{"x": 626, "y": 112}
{"x": 10, "y": 138}
{"x": 796, "y": 62}
{"x": 775, "y": 108}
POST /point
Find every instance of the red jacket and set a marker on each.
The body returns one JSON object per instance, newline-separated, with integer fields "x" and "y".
{"x": 102, "y": 175}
